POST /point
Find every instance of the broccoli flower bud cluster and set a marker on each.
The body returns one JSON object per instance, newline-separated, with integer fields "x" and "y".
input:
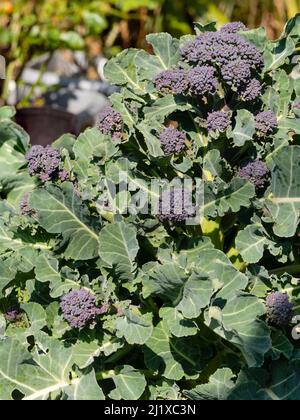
{"x": 297, "y": 104}
{"x": 236, "y": 73}
{"x": 175, "y": 205}
{"x": 79, "y": 308}
{"x": 266, "y": 122}
{"x": 199, "y": 81}
{"x": 25, "y": 209}
{"x": 250, "y": 90}
{"x": 110, "y": 122}
{"x": 218, "y": 121}
{"x": 233, "y": 27}
{"x": 13, "y": 314}
{"x": 202, "y": 81}
{"x": 172, "y": 141}
{"x": 279, "y": 309}
{"x": 171, "y": 81}
{"x": 221, "y": 47}
{"x": 236, "y": 58}
{"x": 43, "y": 162}
{"x": 255, "y": 172}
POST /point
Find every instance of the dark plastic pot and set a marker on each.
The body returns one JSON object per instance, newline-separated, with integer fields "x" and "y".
{"x": 45, "y": 125}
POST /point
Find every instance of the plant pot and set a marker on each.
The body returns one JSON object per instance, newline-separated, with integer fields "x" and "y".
{"x": 45, "y": 125}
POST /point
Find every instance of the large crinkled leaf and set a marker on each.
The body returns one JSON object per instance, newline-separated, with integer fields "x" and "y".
{"x": 254, "y": 239}
{"x": 91, "y": 144}
{"x": 234, "y": 315}
{"x": 134, "y": 326}
{"x": 122, "y": 70}
{"x": 176, "y": 323}
{"x": 229, "y": 197}
{"x": 37, "y": 374}
{"x": 60, "y": 282}
{"x": 196, "y": 295}
{"x": 167, "y": 281}
{"x": 13, "y": 146}
{"x": 7, "y": 274}
{"x": 218, "y": 388}
{"x": 166, "y": 55}
{"x": 237, "y": 322}
{"x": 172, "y": 357}
{"x": 119, "y": 247}
{"x": 36, "y": 320}
{"x": 284, "y": 202}
{"x": 152, "y": 141}
{"x": 278, "y": 52}
{"x": 244, "y": 127}
{"x": 130, "y": 384}
{"x": 282, "y": 385}
{"x": 251, "y": 243}
{"x": 129, "y": 115}
{"x": 85, "y": 388}
{"x": 165, "y": 106}
{"x": 60, "y": 210}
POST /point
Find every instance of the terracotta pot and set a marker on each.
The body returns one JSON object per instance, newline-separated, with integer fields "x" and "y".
{"x": 45, "y": 124}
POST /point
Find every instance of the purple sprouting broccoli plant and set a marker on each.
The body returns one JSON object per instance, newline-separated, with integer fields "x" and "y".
{"x": 250, "y": 90}
{"x": 79, "y": 308}
{"x": 255, "y": 172}
{"x": 43, "y": 162}
{"x": 175, "y": 205}
{"x": 110, "y": 122}
{"x": 202, "y": 81}
{"x": 218, "y": 121}
{"x": 236, "y": 73}
{"x": 279, "y": 309}
{"x": 172, "y": 81}
{"x": 233, "y": 27}
{"x": 173, "y": 141}
{"x": 266, "y": 123}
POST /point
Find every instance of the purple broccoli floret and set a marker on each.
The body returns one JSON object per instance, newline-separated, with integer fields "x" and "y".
{"x": 250, "y": 91}
{"x": 266, "y": 122}
{"x": 43, "y": 162}
{"x": 297, "y": 104}
{"x": 13, "y": 314}
{"x": 202, "y": 81}
{"x": 219, "y": 48}
{"x": 279, "y": 309}
{"x": 236, "y": 73}
{"x": 25, "y": 209}
{"x": 218, "y": 121}
{"x": 175, "y": 205}
{"x": 233, "y": 27}
{"x": 110, "y": 122}
{"x": 79, "y": 308}
{"x": 64, "y": 175}
{"x": 255, "y": 172}
{"x": 172, "y": 141}
{"x": 171, "y": 81}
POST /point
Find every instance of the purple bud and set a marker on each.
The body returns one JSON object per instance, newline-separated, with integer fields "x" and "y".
{"x": 173, "y": 141}
{"x": 171, "y": 81}
{"x": 79, "y": 308}
{"x": 218, "y": 121}
{"x": 110, "y": 122}
{"x": 266, "y": 122}
{"x": 279, "y": 309}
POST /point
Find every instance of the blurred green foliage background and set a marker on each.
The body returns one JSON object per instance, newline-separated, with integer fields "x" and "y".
{"x": 31, "y": 27}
